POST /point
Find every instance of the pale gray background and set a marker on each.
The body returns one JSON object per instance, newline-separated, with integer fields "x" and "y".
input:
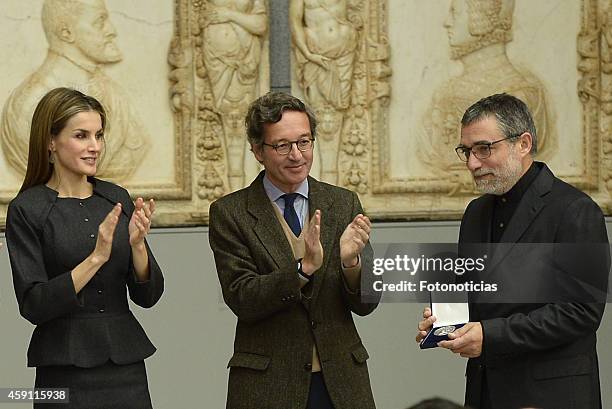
{"x": 193, "y": 331}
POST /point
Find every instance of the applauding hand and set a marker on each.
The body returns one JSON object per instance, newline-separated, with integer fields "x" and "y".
{"x": 313, "y": 252}
{"x": 106, "y": 233}
{"x": 354, "y": 239}
{"x": 140, "y": 222}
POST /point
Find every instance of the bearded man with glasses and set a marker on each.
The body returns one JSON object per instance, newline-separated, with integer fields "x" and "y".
{"x": 526, "y": 347}
{"x": 294, "y": 262}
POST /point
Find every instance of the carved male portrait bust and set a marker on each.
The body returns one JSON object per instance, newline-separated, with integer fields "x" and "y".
{"x": 478, "y": 32}
{"x": 81, "y": 39}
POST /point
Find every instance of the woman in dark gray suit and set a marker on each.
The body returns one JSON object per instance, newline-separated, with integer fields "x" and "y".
{"x": 75, "y": 243}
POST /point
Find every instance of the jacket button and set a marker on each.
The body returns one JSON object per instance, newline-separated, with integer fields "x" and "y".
{"x": 308, "y": 367}
{"x": 313, "y": 324}
{"x": 99, "y": 291}
{"x": 101, "y": 310}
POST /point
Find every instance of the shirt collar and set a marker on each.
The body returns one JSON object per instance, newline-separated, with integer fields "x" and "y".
{"x": 274, "y": 193}
{"x": 515, "y": 194}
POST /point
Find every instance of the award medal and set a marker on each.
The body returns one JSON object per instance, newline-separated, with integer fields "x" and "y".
{"x": 448, "y": 329}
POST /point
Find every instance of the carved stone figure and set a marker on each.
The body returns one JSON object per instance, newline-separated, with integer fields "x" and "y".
{"x": 81, "y": 42}
{"x": 232, "y": 34}
{"x": 325, "y": 49}
{"x": 606, "y": 41}
{"x": 478, "y": 31}
{"x": 210, "y": 184}
{"x": 606, "y": 97}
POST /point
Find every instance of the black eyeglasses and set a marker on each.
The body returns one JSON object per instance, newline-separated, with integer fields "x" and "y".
{"x": 481, "y": 150}
{"x": 283, "y": 148}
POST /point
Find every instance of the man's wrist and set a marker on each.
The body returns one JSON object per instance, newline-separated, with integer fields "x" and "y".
{"x": 351, "y": 263}
{"x": 307, "y": 267}
{"x": 300, "y": 268}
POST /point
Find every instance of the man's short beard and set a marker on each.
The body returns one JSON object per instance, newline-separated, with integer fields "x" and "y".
{"x": 504, "y": 178}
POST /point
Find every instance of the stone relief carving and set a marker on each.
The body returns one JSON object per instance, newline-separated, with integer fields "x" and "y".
{"x": 230, "y": 39}
{"x": 478, "y": 31}
{"x": 325, "y": 47}
{"x": 592, "y": 89}
{"x": 81, "y": 41}
{"x": 202, "y": 161}
{"x": 444, "y": 192}
{"x": 218, "y": 65}
{"x": 342, "y": 55}
{"x": 606, "y": 100}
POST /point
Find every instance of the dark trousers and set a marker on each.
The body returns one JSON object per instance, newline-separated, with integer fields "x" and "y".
{"x": 318, "y": 397}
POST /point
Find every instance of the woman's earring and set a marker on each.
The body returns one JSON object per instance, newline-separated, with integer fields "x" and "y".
{"x": 51, "y": 157}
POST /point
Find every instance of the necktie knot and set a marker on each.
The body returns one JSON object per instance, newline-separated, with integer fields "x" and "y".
{"x": 290, "y": 198}
{"x": 290, "y": 214}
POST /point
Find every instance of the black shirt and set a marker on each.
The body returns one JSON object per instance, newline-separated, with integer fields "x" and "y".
{"x": 506, "y": 204}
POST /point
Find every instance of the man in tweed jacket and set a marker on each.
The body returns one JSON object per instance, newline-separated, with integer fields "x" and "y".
{"x": 293, "y": 260}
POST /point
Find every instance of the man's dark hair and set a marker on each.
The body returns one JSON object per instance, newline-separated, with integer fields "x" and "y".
{"x": 512, "y": 115}
{"x": 268, "y": 109}
{"x": 437, "y": 403}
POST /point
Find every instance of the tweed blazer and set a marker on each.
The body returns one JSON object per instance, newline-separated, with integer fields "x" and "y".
{"x": 277, "y": 322}
{"x": 47, "y": 237}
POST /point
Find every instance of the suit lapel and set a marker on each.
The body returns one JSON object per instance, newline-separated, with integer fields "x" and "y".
{"x": 527, "y": 211}
{"x": 479, "y": 229}
{"x": 266, "y": 227}
{"x": 321, "y": 200}
{"x": 268, "y": 230}
{"x": 529, "y": 207}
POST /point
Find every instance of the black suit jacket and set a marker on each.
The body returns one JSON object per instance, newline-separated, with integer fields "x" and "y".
{"x": 277, "y": 323}
{"x": 47, "y": 236}
{"x": 537, "y": 354}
